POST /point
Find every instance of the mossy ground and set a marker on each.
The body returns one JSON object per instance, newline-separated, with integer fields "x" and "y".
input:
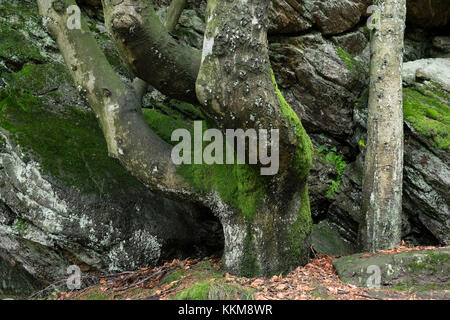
{"x": 202, "y": 281}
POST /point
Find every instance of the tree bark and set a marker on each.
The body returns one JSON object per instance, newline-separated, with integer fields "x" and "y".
{"x": 236, "y": 89}
{"x": 173, "y": 14}
{"x": 149, "y": 50}
{"x": 383, "y": 175}
{"x": 266, "y": 219}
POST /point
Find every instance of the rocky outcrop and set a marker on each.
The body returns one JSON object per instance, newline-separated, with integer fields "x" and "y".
{"x": 63, "y": 201}
{"x": 425, "y": 269}
{"x": 324, "y": 79}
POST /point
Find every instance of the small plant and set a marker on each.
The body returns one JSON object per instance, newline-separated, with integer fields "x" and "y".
{"x": 332, "y": 157}
{"x": 20, "y": 226}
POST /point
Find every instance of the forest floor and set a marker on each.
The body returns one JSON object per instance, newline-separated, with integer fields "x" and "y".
{"x": 203, "y": 279}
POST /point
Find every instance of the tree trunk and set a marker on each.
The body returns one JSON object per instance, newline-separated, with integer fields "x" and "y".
{"x": 173, "y": 14}
{"x": 237, "y": 90}
{"x": 383, "y": 175}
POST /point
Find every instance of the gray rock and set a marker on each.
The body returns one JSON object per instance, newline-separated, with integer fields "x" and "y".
{"x": 437, "y": 70}
{"x": 14, "y": 281}
{"x": 326, "y": 239}
{"x": 423, "y": 269}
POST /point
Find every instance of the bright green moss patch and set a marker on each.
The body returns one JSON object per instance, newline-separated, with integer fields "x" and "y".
{"x": 339, "y": 164}
{"x": 429, "y": 113}
{"x": 198, "y": 291}
{"x": 347, "y": 58}
{"x": 67, "y": 141}
{"x": 215, "y": 290}
{"x": 241, "y": 186}
{"x": 304, "y": 152}
{"x": 163, "y": 125}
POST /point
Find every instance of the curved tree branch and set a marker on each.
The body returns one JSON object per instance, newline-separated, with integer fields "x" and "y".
{"x": 152, "y": 54}
{"x": 173, "y": 14}
{"x": 116, "y": 104}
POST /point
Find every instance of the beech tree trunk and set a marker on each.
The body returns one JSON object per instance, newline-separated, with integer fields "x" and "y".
{"x": 173, "y": 14}
{"x": 236, "y": 88}
{"x": 383, "y": 175}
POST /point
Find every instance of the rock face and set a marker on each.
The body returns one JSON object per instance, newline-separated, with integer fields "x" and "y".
{"x": 423, "y": 269}
{"x": 63, "y": 201}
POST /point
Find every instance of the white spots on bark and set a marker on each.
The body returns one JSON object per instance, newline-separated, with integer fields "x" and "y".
{"x": 208, "y": 44}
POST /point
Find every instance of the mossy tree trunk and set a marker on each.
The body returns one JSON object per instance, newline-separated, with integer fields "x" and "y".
{"x": 383, "y": 175}
{"x": 266, "y": 219}
{"x": 236, "y": 89}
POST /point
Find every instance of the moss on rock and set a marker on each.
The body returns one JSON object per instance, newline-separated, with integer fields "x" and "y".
{"x": 66, "y": 139}
{"x": 426, "y": 107}
{"x": 239, "y": 185}
{"x": 214, "y": 290}
{"x": 304, "y": 152}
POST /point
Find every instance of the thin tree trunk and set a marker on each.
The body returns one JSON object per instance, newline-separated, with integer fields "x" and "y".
{"x": 174, "y": 13}
{"x": 383, "y": 175}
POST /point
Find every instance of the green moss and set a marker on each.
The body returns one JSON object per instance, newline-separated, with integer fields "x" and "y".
{"x": 437, "y": 258}
{"x": 299, "y": 232}
{"x": 427, "y": 109}
{"x": 215, "y": 290}
{"x": 332, "y": 157}
{"x": 304, "y": 152}
{"x": 15, "y": 47}
{"x": 431, "y": 262}
{"x": 19, "y": 34}
{"x": 418, "y": 266}
{"x": 347, "y": 58}
{"x": 249, "y": 263}
{"x": 240, "y": 186}
{"x": 95, "y": 294}
{"x": 163, "y": 125}
{"x": 20, "y": 226}
{"x": 67, "y": 141}
{"x": 198, "y": 291}
{"x": 173, "y": 276}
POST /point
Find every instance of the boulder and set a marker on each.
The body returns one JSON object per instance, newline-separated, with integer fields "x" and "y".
{"x": 424, "y": 269}
{"x": 436, "y": 70}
